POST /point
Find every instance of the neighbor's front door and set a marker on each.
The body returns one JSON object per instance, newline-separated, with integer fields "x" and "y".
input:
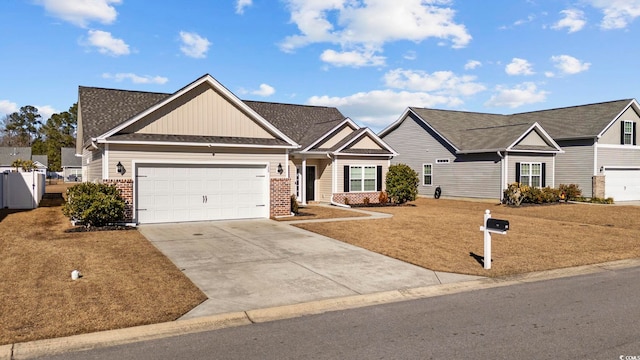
{"x": 310, "y": 183}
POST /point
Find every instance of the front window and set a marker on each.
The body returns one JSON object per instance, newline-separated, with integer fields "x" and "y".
{"x": 531, "y": 174}
{"x": 628, "y": 133}
{"x": 362, "y": 178}
{"x": 427, "y": 175}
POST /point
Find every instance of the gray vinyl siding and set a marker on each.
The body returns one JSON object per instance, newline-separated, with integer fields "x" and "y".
{"x": 575, "y": 165}
{"x": 612, "y": 135}
{"x": 619, "y": 157}
{"x": 531, "y": 158}
{"x": 475, "y": 176}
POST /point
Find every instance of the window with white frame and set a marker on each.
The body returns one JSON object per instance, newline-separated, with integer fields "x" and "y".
{"x": 531, "y": 174}
{"x": 442, "y": 161}
{"x": 362, "y": 178}
{"x": 427, "y": 174}
{"x": 627, "y": 137}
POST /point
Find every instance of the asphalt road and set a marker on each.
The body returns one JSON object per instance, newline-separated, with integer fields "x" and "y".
{"x": 593, "y": 316}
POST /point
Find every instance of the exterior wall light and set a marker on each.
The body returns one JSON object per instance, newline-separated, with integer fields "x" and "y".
{"x": 280, "y": 169}
{"x": 120, "y": 168}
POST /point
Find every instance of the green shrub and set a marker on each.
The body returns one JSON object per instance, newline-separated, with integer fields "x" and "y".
{"x": 571, "y": 192}
{"x": 94, "y": 204}
{"x": 402, "y": 183}
{"x": 517, "y": 193}
{"x": 294, "y": 205}
{"x": 514, "y": 194}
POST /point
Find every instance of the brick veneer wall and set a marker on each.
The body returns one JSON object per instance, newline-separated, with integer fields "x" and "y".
{"x": 357, "y": 197}
{"x": 280, "y": 196}
{"x": 126, "y": 191}
{"x": 597, "y": 189}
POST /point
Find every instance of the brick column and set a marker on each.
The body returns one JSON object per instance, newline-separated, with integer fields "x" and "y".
{"x": 597, "y": 186}
{"x": 280, "y": 197}
{"x": 126, "y": 191}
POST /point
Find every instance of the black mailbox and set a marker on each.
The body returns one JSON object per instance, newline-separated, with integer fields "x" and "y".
{"x": 497, "y": 224}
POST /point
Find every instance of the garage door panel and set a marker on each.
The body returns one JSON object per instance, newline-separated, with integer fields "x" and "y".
{"x": 172, "y": 193}
{"x": 622, "y": 184}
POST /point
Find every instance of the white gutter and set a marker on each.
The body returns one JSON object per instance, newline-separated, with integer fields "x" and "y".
{"x": 502, "y": 176}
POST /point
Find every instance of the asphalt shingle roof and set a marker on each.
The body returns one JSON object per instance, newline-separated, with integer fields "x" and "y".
{"x": 68, "y": 158}
{"x": 104, "y": 109}
{"x": 481, "y": 131}
{"x": 9, "y": 154}
{"x": 196, "y": 139}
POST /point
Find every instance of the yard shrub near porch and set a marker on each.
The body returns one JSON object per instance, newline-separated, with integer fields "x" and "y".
{"x": 402, "y": 183}
{"x": 94, "y": 204}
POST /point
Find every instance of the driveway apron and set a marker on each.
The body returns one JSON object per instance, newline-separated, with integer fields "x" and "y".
{"x": 252, "y": 264}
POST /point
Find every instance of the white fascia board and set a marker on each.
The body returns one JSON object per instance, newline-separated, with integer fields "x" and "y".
{"x": 217, "y": 86}
{"x": 358, "y": 154}
{"x": 394, "y": 124}
{"x": 197, "y": 144}
{"x": 618, "y": 146}
{"x": 610, "y": 124}
{"x": 528, "y": 131}
{"x": 347, "y": 121}
{"x": 373, "y": 136}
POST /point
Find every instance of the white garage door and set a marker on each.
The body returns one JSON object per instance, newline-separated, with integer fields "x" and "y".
{"x": 622, "y": 184}
{"x": 175, "y": 193}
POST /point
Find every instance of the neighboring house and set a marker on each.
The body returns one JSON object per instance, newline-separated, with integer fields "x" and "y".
{"x": 201, "y": 153}
{"x": 71, "y": 165}
{"x": 10, "y": 154}
{"x": 478, "y": 155}
{"x": 41, "y": 162}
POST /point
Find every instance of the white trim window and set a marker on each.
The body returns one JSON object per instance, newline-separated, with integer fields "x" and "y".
{"x": 531, "y": 174}
{"x": 427, "y": 174}
{"x": 627, "y": 135}
{"x": 362, "y": 178}
{"x": 442, "y": 161}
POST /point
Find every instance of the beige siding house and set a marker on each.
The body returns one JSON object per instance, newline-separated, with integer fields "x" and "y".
{"x": 478, "y": 154}
{"x": 201, "y": 153}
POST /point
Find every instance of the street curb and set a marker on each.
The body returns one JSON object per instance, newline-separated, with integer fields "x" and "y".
{"x": 81, "y": 342}
{"x": 95, "y": 340}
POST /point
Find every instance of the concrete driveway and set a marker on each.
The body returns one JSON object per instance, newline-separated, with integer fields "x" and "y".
{"x": 253, "y": 264}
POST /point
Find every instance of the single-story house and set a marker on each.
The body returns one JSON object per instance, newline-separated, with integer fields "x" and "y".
{"x": 470, "y": 154}
{"x": 41, "y": 162}
{"x": 71, "y": 165}
{"x": 9, "y": 154}
{"x": 201, "y": 153}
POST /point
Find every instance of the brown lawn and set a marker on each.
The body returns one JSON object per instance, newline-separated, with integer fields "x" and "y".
{"x": 444, "y": 235}
{"x": 317, "y": 212}
{"x": 126, "y": 280}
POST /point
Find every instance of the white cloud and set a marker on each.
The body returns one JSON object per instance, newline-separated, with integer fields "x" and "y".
{"x": 410, "y": 55}
{"x": 81, "y": 12}
{"x": 194, "y": 45}
{"x": 379, "y": 108}
{"x": 529, "y": 19}
{"x": 369, "y": 24}
{"x": 472, "y": 64}
{"x": 521, "y": 94}
{"x": 241, "y": 4}
{"x": 617, "y": 13}
{"x": 136, "y": 79}
{"x": 265, "y": 90}
{"x": 107, "y": 44}
{"x": 45, "y": 112}
{"x": 440, "y": 82}
{"x": 573, "y": 20}
{"x": 352, "y": 58}
{"x": 519, "y": 67}
{"x": 569, "y": 65}
{"x": 7, "y": 107}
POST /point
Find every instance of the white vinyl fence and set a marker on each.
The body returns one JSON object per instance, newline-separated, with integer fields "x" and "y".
{"x": 21, "y": 190}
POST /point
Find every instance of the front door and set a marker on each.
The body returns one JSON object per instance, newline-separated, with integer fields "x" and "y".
{"x": 310, "y": 183}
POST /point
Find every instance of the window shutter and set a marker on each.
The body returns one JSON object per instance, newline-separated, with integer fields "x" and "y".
{"x": 621, "y": 132}
{"x": 378, "y": 178}
{"x": 634, "y": 133}
{"x": 346, "y": 178}
{"x": 517, "y": 172}
{"x": 544, "y": 174}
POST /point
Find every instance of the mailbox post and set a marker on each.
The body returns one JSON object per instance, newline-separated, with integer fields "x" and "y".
{"x": 491, "y": 225}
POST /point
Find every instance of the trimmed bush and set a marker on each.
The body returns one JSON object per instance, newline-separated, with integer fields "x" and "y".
{"x": 383, "y": 198}
{"x": 294, "y": 205}
{"x": 516, "y": 194}
{"x": 570, "y": 191}
{"x": 94, "y": 204}
{"x": 402, "y": 183}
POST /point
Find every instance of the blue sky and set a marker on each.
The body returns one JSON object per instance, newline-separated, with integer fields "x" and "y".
{"x": 369, "y": 58}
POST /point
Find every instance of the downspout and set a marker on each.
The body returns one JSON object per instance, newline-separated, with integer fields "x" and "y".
{"x": 502, "y": 176}
{"x": 334, "y": 181}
